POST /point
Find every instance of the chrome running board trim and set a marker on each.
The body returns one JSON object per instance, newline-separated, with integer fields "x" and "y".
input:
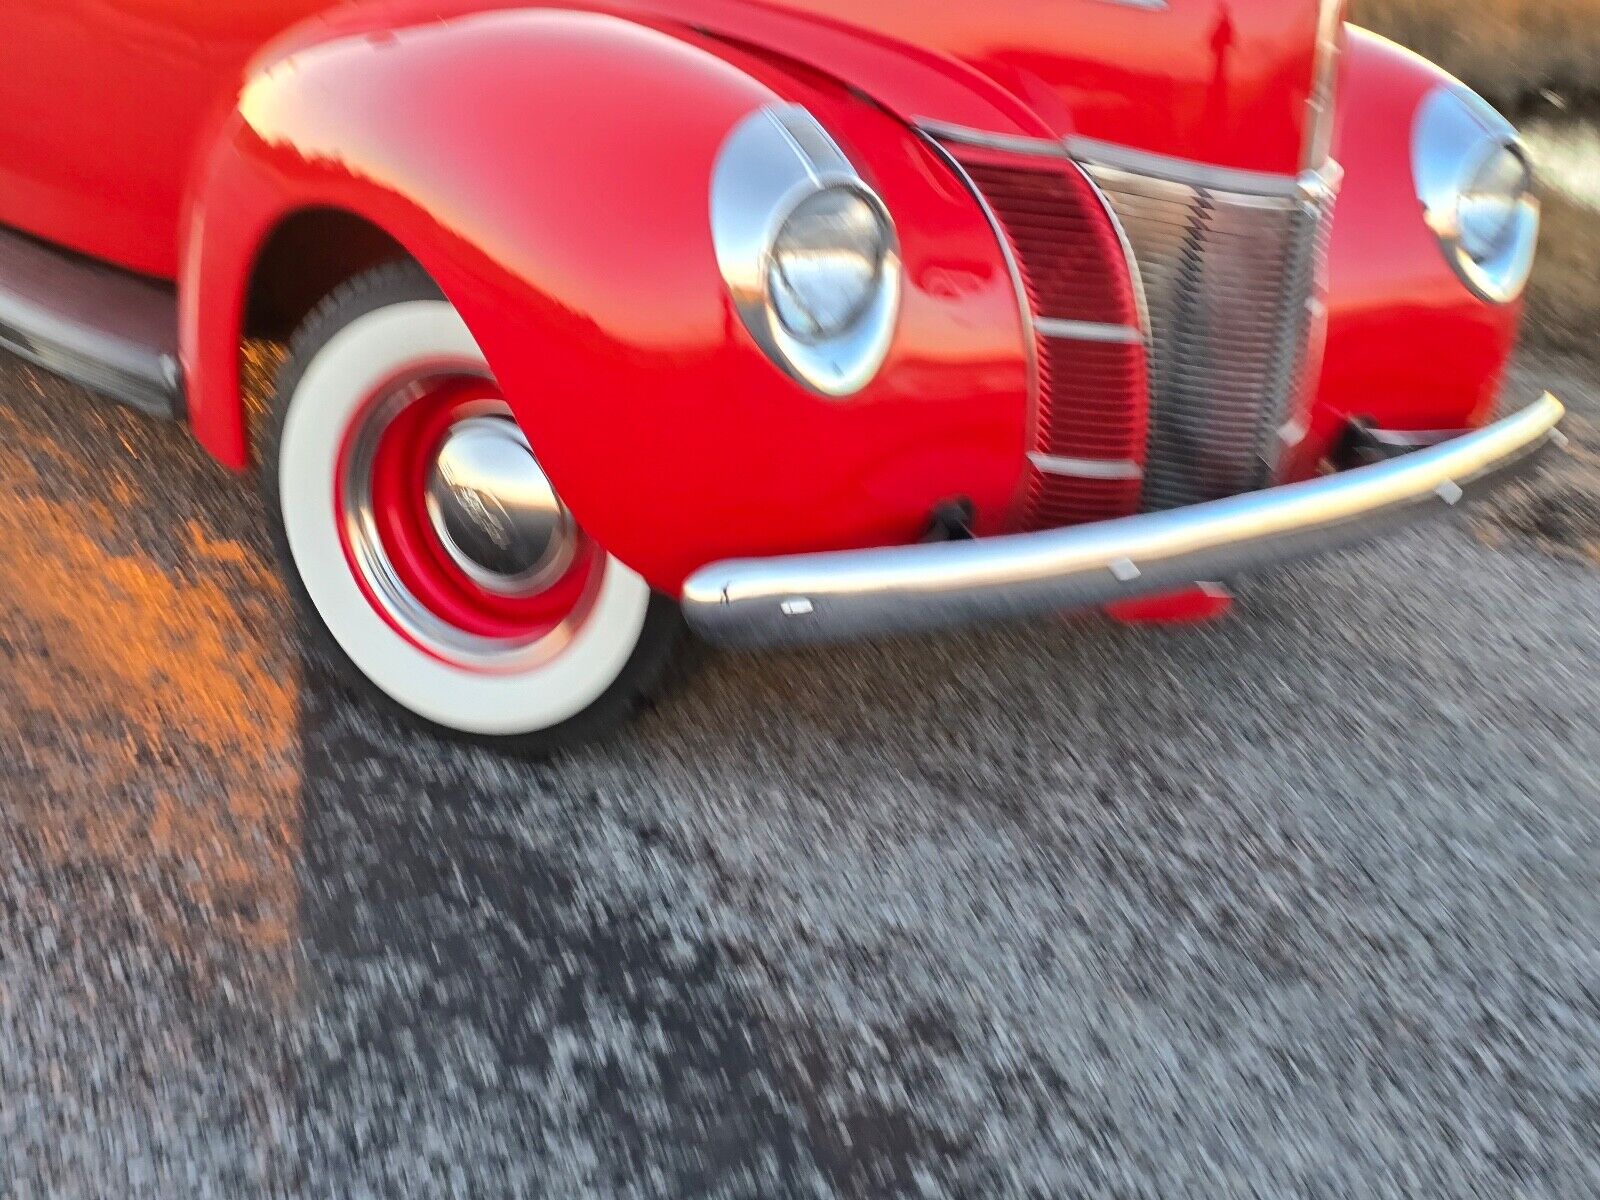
{"x": 110, "y": 331}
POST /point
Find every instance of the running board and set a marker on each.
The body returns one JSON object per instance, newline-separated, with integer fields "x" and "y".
{"x": 110, "y": 331}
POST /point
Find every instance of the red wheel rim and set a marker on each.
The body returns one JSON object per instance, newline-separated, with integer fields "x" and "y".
{"x": 394, "y": 546}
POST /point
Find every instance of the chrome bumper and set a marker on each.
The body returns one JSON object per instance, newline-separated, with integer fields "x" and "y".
{"x": 861, "y": 593}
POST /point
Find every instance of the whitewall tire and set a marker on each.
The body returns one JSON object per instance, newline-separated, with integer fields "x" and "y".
{"x": 381, "y": 375}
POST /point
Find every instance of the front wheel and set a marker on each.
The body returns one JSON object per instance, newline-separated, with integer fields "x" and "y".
{"x": 427, "y": 541}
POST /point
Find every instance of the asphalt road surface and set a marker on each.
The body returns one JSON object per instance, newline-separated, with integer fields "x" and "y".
{"x": 1306, "y": 903}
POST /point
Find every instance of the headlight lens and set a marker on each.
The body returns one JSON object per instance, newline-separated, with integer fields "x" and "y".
{"x": 808, "y": 251}
{"x": 1477, "y": 192}
{"x": 1491, "y": 201}
{"x": 827, "y": 264}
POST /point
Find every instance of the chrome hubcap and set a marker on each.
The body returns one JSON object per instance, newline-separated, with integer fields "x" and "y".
{"x": 494, "y": 510}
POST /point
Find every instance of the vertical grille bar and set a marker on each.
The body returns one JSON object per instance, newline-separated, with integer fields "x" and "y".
{"x": 1227, "y": 276}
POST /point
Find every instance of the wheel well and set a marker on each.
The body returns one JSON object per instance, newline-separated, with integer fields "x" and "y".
{"x": 307, "y": 256}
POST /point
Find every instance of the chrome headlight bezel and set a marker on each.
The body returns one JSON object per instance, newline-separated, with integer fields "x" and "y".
{"x": 1457, "y": 134}
{"x": 774, "y": 163}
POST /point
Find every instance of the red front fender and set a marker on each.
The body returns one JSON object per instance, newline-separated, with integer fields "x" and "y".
{"x": 1409, "y": 347}
{"x": 551, "y": 171}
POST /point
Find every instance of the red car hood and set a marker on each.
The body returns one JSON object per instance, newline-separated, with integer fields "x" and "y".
{"x": 1219, "y": 81}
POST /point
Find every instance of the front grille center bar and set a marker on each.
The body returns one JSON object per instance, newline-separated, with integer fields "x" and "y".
{"x": 1088, "y": 331}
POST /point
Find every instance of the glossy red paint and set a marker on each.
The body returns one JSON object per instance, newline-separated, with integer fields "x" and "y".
{"x": 105, "y": 109}
{"x": 549, "y": 166}
{"x": 594, "y": 290}
{"x": 1408, "y": 346}
{"x": 109, "y": 104}
{"x": 1199, "y": 605}
{"x": 1219, "y": 81}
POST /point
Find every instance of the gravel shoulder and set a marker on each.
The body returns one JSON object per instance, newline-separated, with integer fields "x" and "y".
{"x": 1559, "y": 514}
{"x": 1306, "y": 903}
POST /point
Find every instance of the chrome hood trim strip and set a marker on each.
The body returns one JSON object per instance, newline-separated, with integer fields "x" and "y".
{"x": 1035, "y": 147}
{"x": 1191, "y": 174}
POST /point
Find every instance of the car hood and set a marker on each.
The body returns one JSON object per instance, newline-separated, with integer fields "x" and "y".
{"x": 1225, "y": 82}
{"x": 1219, "y": 81}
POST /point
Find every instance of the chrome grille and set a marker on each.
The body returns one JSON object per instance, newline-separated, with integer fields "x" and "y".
{"x": 1229, "y": 271}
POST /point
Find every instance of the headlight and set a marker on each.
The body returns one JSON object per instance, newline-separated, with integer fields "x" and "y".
{"x": 827, "y": 264}
{"x": 807, "y": 249}
{"x": 1492, "y": 202}
{"x": 1477, "y": 192}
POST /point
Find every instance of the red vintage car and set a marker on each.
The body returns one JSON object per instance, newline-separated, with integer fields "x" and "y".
{"x": 783, "y": 319}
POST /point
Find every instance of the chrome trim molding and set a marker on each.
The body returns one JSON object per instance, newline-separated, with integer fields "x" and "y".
{"x": 1322, "y": 106}
{"x": 1013, "y": 266}
{"x": 110, "y": 331}
{"x": 772, "y": 163}
{"x": 1087, "y": 468}
{"x": 936, "y": 132}
{"x": 850, "y": 594}
{"x": 1187, "y": 172}
{"x": 1012, "y": 143}
{"x": 1139, "y": 162}
{"x": 1129, "y": 257}
{"x": 1088, "y": 331}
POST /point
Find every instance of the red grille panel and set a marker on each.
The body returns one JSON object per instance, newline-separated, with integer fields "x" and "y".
{"x": 1069, "y": 249}
{"x": 1055, "y": 501}
{"x": 1093, "y": 396}
{"x": 1099, "y": 392}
